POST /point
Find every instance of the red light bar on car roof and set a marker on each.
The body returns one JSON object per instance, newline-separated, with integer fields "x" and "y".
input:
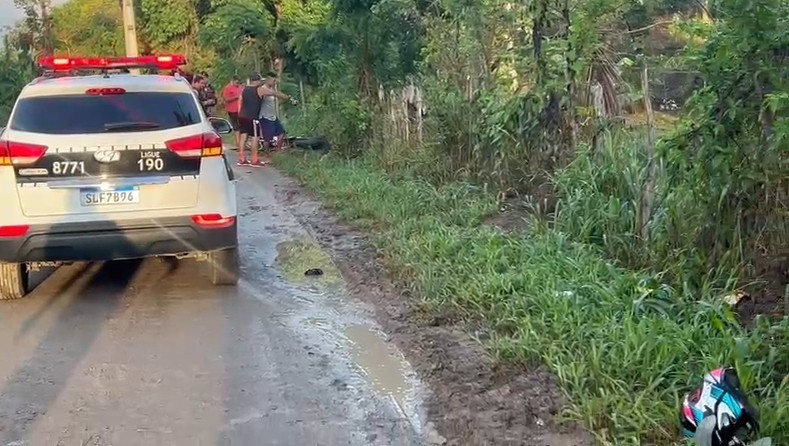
{"x": 165, "y": 62}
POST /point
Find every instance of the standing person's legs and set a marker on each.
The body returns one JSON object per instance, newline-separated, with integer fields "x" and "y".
{"x": 279, "y": 131}
{"x": 269, "y": 130}
{"x": 266, "y": 135}
{"x": 246, "y": 129}
{"x": 233, "y": 118}
{"x": 253, "y": 151}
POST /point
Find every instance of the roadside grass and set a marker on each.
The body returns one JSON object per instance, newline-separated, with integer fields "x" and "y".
{"x": 624, "y": 346}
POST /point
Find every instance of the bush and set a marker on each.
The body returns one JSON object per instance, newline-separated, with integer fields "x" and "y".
{"x": 696, "y": 240}
{"x": 336, "y": 115}
{"x": 600, "y": 194}
{"x": 624, "y": 345}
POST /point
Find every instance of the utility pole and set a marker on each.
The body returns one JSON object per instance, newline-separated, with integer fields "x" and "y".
{"x": 130, "y": 31}
{"x": 129, "y": 28}
{"x": 46, "y": 28}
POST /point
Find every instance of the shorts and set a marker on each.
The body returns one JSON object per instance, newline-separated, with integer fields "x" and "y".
{"x": 245, "y": 126}
{"x": 233, "y": 118}
{"x": 269, "y": 129}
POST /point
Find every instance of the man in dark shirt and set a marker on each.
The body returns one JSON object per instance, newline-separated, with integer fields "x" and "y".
{"x": 248, "y": 110}
{"x": 206, "y": 101}
{"x": 210, "y": 95}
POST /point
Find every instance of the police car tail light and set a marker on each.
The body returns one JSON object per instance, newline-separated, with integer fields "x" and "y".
{"x": 208, "y": 144}
{"x": 163, "y": 62}
{"x": 13, "y": 231}
{"x": 213, "y": 221}
{"x": 20, "y": 154}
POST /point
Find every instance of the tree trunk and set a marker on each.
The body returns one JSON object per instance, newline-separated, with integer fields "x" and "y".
{"x": 364, "y": 74}
{"x": 706, "y": 16}
{"x": 648, "y": 195}
{"x": 301, "y": 96}
{"x": 569, "y": 74}
{"x": 537, "y": 39}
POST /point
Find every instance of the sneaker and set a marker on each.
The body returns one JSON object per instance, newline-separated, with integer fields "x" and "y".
{"x": 243, "y": 163}
{"x": 258, "y": 163}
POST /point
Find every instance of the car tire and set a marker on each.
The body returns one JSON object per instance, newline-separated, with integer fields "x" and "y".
{"x": 224, "y": 266}
{"x": 13, "y": 281}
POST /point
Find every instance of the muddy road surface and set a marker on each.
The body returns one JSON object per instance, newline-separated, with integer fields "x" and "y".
{"x": 149, "y": 352}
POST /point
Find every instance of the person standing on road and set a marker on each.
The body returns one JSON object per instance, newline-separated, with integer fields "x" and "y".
{"x": 195, "y": 83}
{"x": 206, "y": 101}
{"x": 270, "y": 125}
{"x": 232, "y": 97}
{"x": 210, "y": 95}
{"x": 257, "y": 101}
{"x": 248, "y": 110}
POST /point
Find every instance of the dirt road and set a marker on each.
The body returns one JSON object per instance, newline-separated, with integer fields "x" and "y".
{"x": 132, "y": 353}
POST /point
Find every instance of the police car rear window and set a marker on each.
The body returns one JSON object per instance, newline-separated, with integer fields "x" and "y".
{"x": 74, "y": 114}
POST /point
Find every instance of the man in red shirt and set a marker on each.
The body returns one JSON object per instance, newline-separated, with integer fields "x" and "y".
{"x": 232, "y": 96}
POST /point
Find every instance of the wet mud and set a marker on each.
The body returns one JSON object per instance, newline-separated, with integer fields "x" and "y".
{"x": 295, "y": 258}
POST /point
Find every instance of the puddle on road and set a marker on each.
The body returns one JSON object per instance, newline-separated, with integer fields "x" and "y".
{"x": 381, "y": 364}
{"x": 294, "y": 257}
{"x": 348, "y": 336}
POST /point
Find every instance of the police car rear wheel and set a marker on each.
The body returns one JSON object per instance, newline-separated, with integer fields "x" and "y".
{"x": 13, "y": 281}
{"x": 224, "y": 266}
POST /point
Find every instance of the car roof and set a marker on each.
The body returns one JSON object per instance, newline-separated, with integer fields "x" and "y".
{"x": 68, "y": 85}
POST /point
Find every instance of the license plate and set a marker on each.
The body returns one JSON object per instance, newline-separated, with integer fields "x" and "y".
{"x": 97, "y": 197}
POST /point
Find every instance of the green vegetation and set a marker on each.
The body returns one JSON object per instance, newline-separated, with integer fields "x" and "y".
{"x": 622, "y": 343}
{"x": 640, "y": 219}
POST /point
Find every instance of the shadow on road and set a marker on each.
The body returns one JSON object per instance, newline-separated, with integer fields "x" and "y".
{"x": 39, "y": 278}
{"x": 29, "y": 391}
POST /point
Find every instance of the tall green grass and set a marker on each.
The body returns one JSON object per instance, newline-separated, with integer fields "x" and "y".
{"x": 624, "y": 345}
{"x": 700, "y": 238}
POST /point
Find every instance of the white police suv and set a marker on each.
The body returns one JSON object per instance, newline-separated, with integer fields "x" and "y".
{"x": 99, "y": 164}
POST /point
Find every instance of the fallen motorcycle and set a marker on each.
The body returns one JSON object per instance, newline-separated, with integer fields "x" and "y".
{"x": 297, "y": 142}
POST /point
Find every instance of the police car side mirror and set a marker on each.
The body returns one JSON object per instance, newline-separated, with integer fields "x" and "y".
{"x": 222, "y": 126}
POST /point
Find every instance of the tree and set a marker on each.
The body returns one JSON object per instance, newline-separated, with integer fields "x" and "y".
{"x": 38, "y": 24}
{"x": 16, "y": 70}
{"x": 100, "y": 32}
{"x": 168, "y": 23}
{"x": 241, "y": 33}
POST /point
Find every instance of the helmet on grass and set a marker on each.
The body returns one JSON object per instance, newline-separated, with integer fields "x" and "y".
{"x": 718, "y": 413}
